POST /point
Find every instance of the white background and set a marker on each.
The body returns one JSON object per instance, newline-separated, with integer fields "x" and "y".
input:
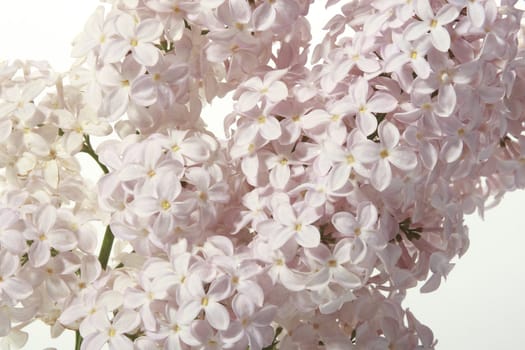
{"x": 480, "y": 306}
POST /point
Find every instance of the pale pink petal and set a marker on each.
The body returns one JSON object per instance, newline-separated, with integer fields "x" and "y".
{"x": 382, "y": 102}
{"x": 368, "y": 65}
{"x": 368, "y": 215}
{"x": 285, "y": 215}
{"x": 280, "y": 175}
{"x": 149, "y": 30}
{"x": 5, "y": 129}
{"x": 395, "y": 61}
{"x": 308, "y": 237}
{"x": 366, "y": 152}
{"x": 403, "y": 159}
{"x": 5, "y": 323}
{"x": 491, "y": 94}
{"x": 134, "y": 298}
{"x": 111, "y": 300}
{"x": 57, "y": 288}
{"x": 388, "y": 135}
{"x": 126, "y": 321}
{"x": 366, "y": 122}
{"x": 344, "y": 222}
{"x": 476, "y": 13}
{"x": 360, "y": 91}
{"x": 45, "y": 218}
{"x": 446, "y": 100}
{"x": 115, "y": 50}
{"x": 120, "y": 342}
{"x": 447, "y": 14}
{"x": 125, "y": 26}
{"x": 315, "y": 118}
{"x": 424, "y": 10}
{"x": 271, "y": 129}
{"x": 451, "y": 150}
{"x": 381, "y": 175}
{"x": 90, "y": 268}
{"x": 291, "y": 280}
{"x": 62, "y": 240}
{"x": 415, "y": 30}
{"x": 8, "y": 264}
{"x": 274, "y": 75}
{"x": 421, "y": 67}
{"x": 250, "y": 166}
{"x": 268, "y": 228}
{"x": 319, "y": 279}
{"x": 143, "y": 91}
{"x": 339, "y": 176}
{"x": 277, "y": 91}
{"x": 217, "y": 315}
{"x": 220, "y": 289}
{"x": 195, "y": 149}
{"x": 248, "y": 100}
{"x": 39, "y": 253}
{"x": 428, "y": 154}
{"x": 146, "y": 205}
{"x": 265, "y": 315}
{"x": 346, "y": 278}
{"x": 440, "y": 38}
{"x": 94, "y": 341}
{"x": 254, "y": 83}
{"x": 281, "y": 237}
{"x": 240, "y": 10}
{"x": 146, "y": 54}
{"x": 264, "y": 16}
{"x": 16, "y": 288}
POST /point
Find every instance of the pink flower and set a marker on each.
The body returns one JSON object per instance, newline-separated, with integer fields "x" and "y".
{"x": 208, "y": 301}
{"x": 137, "y": 38}
{"x": 291, "y": 222}
{"x": 413, "y": 53}
{"x": 432, "y": 24}
{"x": 45, "y": 236}
{"x": 475, "y": 10}
{"x": 362, "y": 227}
{"x": 382, "y": 154}
{"x": 269, "y": 12}
{"x": 365, "y": 105}
{"x": 253, "y": 325}
{"x": 330, "y": 266}
{"x": 13, "y": 287}
{"x": 269, "y": 89}
{"x": 112, "y": 333}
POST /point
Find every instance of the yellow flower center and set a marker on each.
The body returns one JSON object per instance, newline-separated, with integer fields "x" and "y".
{"x": 112, "y": 332}
{"x": 165, "y": 205}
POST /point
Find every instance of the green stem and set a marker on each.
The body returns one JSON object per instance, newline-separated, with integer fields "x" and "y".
{"x": 87, "y": 148}
{"x": 105, "y": 250}
{"x": 78, "y": 340}
{"x": 107, "y": 242}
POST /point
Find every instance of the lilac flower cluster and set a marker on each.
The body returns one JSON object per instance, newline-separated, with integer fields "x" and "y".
{"x": 343, "y": 183}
